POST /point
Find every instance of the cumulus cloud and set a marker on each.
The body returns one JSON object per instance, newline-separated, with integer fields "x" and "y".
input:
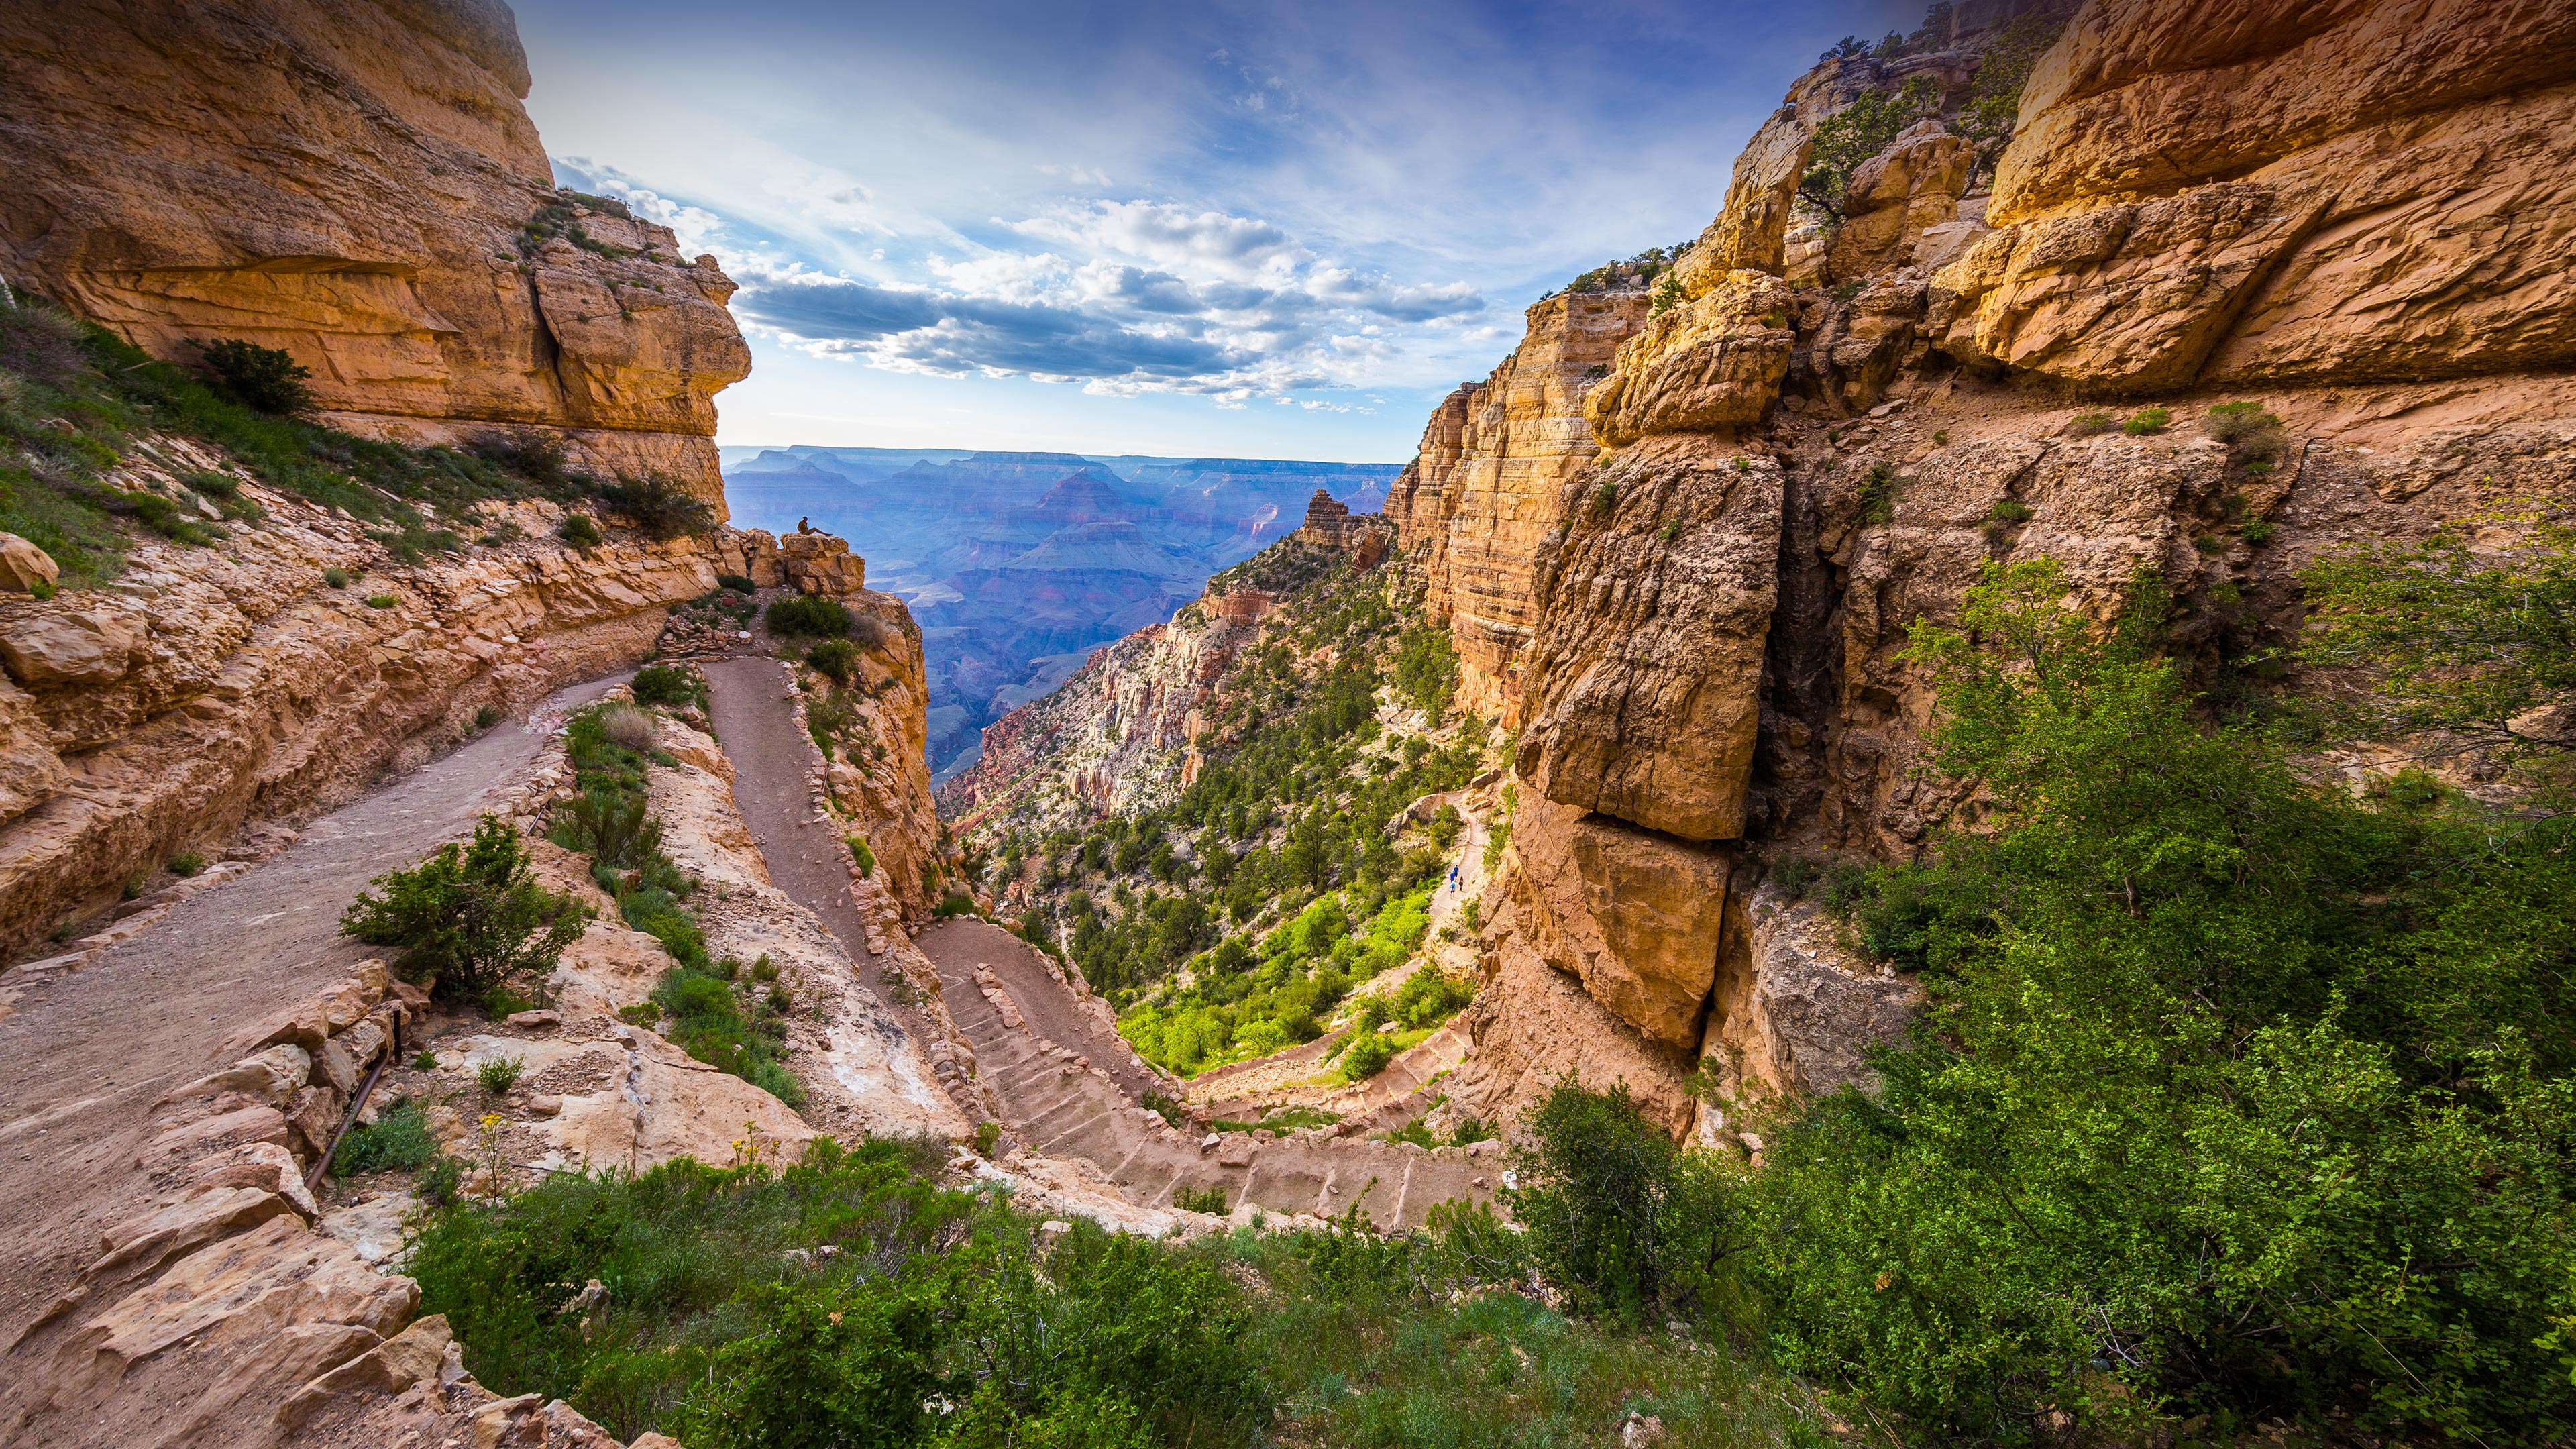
{"x": 1127, "y": 297}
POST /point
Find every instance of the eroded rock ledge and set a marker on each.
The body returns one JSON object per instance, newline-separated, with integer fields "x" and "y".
{"x": 415, "y": 254}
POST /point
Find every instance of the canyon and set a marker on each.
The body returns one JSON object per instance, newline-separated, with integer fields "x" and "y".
{"x": 1677, "y": 541}
{"x": 1619, "y": 665}
{"x": 1019, "y": 564}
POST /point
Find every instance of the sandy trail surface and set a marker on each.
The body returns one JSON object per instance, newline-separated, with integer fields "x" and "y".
{"x": 84, "y": 1056}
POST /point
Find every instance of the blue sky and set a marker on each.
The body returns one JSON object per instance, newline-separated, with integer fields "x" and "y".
{"x": 1273, "y": 230}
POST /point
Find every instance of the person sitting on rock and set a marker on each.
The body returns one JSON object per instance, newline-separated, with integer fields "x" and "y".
{"x": 805, "y": 525}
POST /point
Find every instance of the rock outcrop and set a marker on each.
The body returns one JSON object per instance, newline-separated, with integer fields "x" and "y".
{"x": 204, "y": 688}
{"x": 2268, "y": 194}
{"x": 1488, "y": 484}
{"x": 361, "y": 187}
{"x": 2357, "y": 213}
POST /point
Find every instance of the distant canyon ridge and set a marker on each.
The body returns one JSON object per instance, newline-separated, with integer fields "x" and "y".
{"x": 1018, "y": 565}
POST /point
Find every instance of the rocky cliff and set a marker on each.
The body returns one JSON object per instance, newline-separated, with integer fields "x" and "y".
{"x": 1471, "y": 507}
{"x": 2355, "y": 215}
{"x": 359, "y": 186}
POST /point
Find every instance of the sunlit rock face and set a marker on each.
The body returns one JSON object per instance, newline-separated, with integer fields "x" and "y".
{"x": 1824, "y": 430}
{"x": 1488, "y": 485}
{"x": 363, "y": 189}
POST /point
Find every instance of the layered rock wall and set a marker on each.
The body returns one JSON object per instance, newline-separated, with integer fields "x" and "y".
{"x": 1124, "y": 731}
{"x": 1488, "y": 485}
{"x": 360, "y": 186}
{"x": 1840, "y": 425}
{"x": 2276, "y": 193}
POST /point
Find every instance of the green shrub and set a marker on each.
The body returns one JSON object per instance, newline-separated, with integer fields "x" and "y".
{"x": 265, "y": 378}
{"x": 2091, "y": 423}
{"x": 988, "y": 1135}
{"x": 488, "y": 716}
{"x": 612, "y": 827}
{"x": 1847, "y": 139}
{"x": 1878, "y": 493}
{"x": 381, "y": 601}
{"x": 440, "y": 1180}
{"x": 424, "y": 1060}
{"x": 692, "y": 1256}
{"x": 2248, "y": 428}
{"x": 837, "y": 658}
{"x": 187, "y": 863}
{"x": 1191, "y": 1200}
{"x": 2241, "y": 1097}
{"x": 658, "y": 506}
{"x": 336, "y": 577}
{"x": 666, "y": 686}
{"x": 1668, "y": 294}
{"x": 1367, "y": 1054}
{"x": 865, "y": 858}
{"x": 2145, "y": 421}
{"x": 809, "y": 615}
{"x": 499, "y": 1074}
{"x": 735, "y": 582}
{"x": 398, "y": 1140}
{"x": 706, "y": 1019}
{"x": 1616, "y": 1216}
{"x": 468, "y": 917}
{"x": 577, "y": 530}
{"x": 1428, "y": 998}
{"x": 1605, "y": 497}
{"x": 1445, "y": 825}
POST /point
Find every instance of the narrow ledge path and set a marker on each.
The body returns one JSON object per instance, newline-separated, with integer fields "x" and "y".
{"x": 85, "y": 1055}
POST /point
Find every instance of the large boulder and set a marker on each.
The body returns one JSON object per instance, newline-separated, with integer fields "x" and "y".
{"x": 1712, "y": 363}
{"x": 1896, "y": 196}
{"x": 24, "y": 568}
{"x": 89, "y": 646}
{"x": 2254, "y": 193}
{"x": 1634, "y": 915}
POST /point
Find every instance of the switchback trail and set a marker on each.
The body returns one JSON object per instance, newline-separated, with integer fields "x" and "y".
{"x": 1051, "y": 1104}
{"x": 1064, "y": 1097}
{"x": 750, "y": 701}
{"x": 89, "y": 1052}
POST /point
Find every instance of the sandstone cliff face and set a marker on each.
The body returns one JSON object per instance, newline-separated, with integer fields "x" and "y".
{"x": 1839, "y": 427}
{"x": 2262, "y": 194}
{"x": 360, "y": 187}
{"x": 1487, "y": 486}
{"x": 878, "y": 779}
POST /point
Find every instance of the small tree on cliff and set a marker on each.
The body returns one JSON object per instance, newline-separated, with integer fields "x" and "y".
{"x": 1848, "y": 138}
{"x": 265, "y": 378}
{"x": 469, "y": 917}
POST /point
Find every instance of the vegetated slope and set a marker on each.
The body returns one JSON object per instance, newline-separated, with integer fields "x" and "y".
{"x": 1018, "y": 563}
{"x": 1229, "y": 822}
{"x": 252, "y": 615}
